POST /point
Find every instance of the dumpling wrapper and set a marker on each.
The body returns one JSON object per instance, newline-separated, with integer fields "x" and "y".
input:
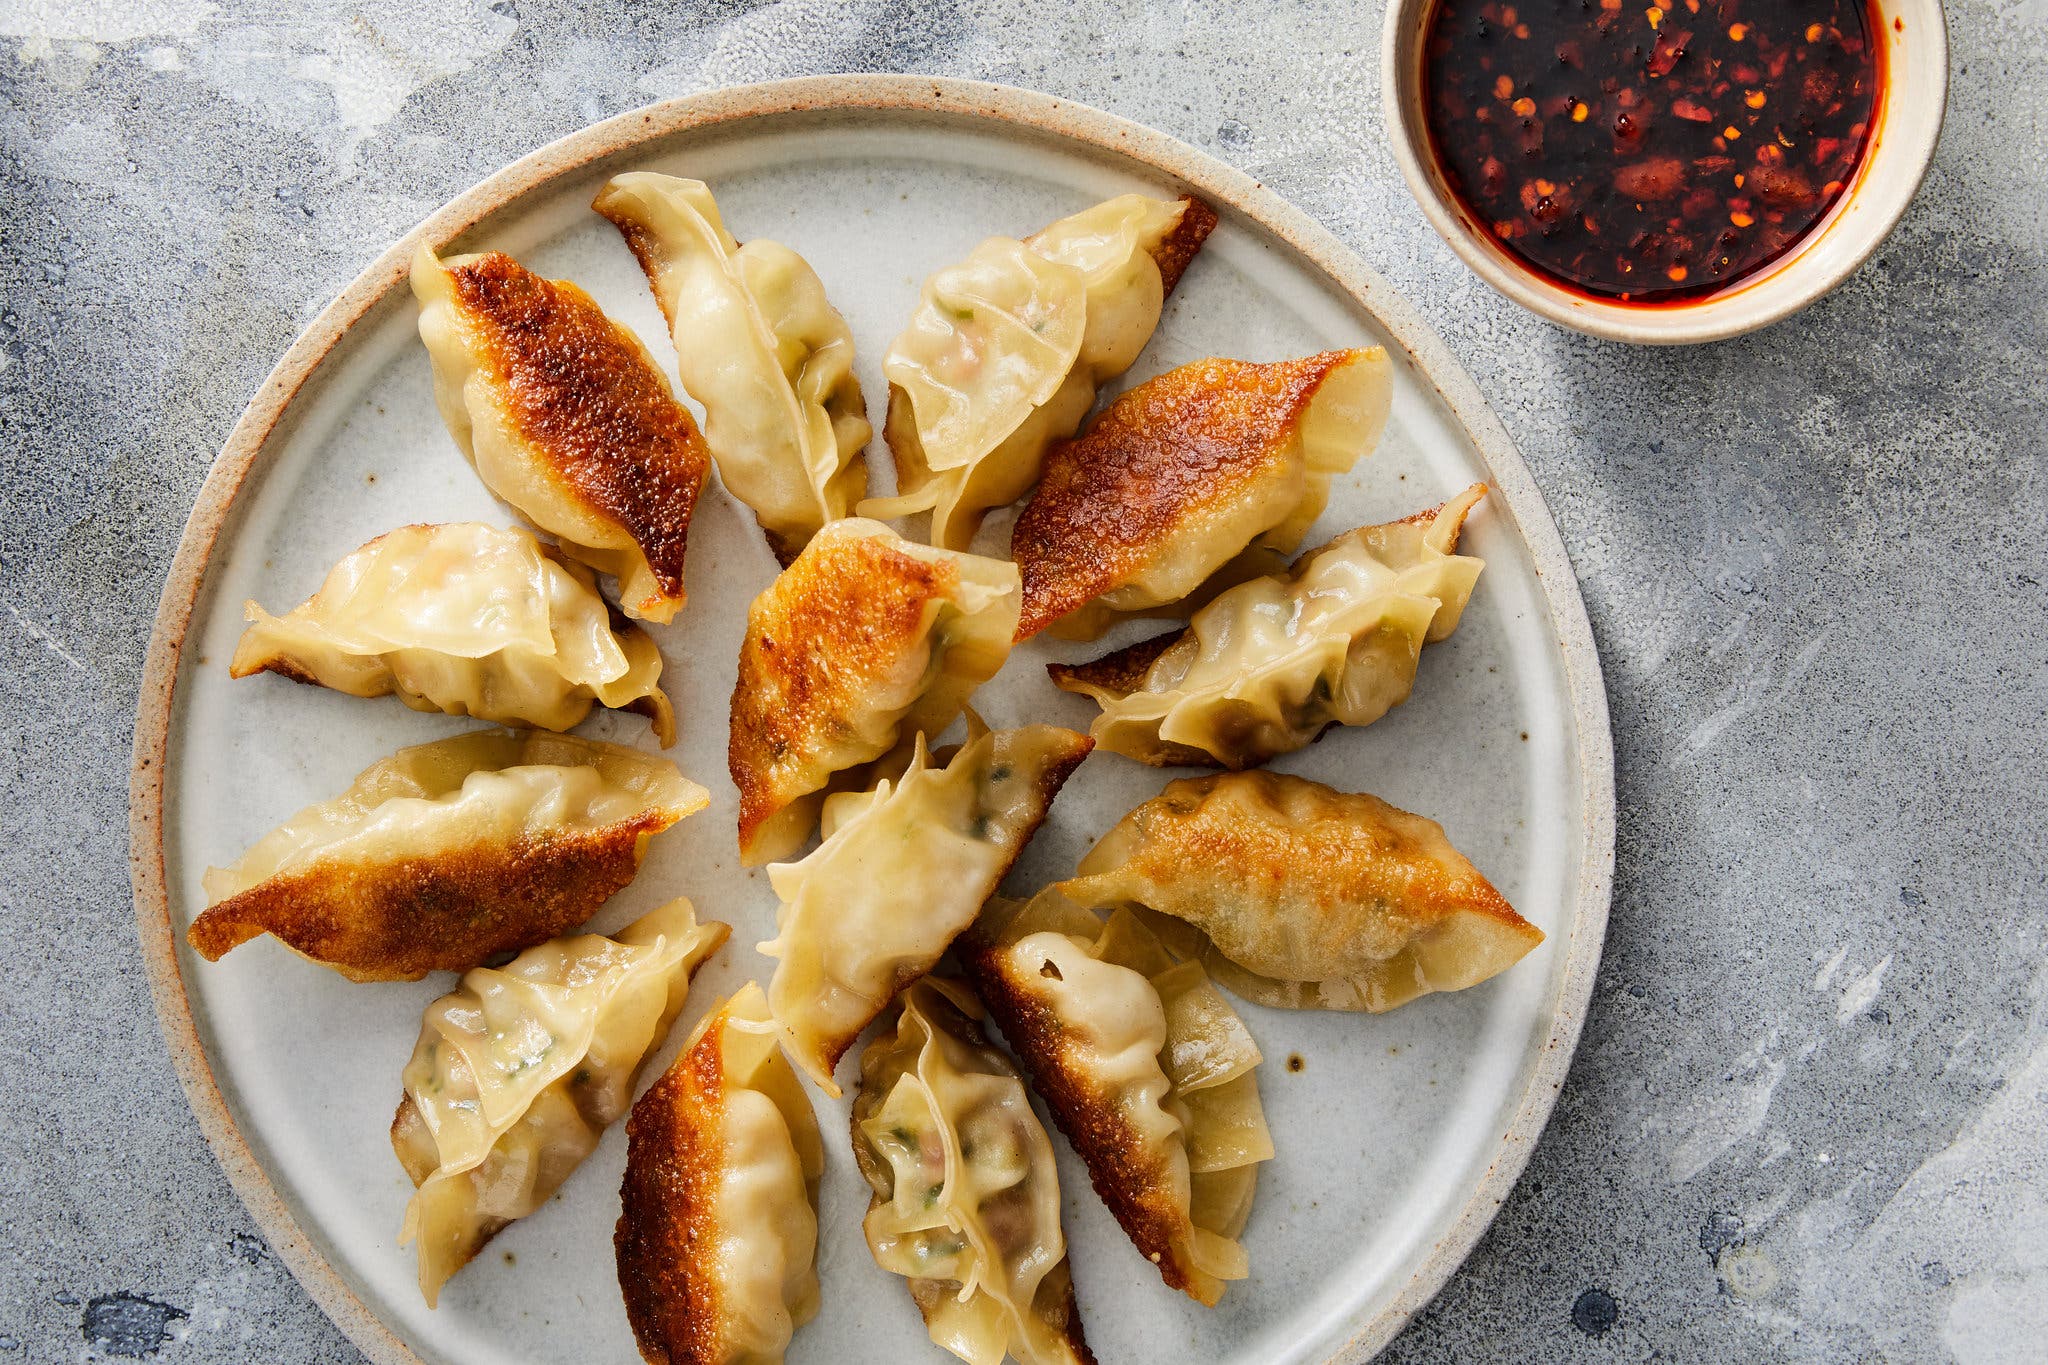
{"x": 445, "y": 854}
{"x": 1269, "y": 665}
{"x": 1007, "y": 349}
{"x": 1295, "y": 895}
{"x": 1146, "y": 1069}
{"x": 760, "y": 346}
{"x": 865, "y": 641}
{"x": 902, "y": 871}
{"x": 566, "y": 417}
{"x": 717, "y": 1239}
{"x": 966, "y": 1194}
{"x": 1189, "y": 475}
{"x": 465, "y": 619}
{"x": 519, "y": 1070}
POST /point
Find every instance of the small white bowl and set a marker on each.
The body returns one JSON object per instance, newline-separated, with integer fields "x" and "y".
{"x": 1910, "y": 110}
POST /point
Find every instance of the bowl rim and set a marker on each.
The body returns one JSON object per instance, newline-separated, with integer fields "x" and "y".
{"x": 274, "y": 404}
{"x": 1887, "y": 181}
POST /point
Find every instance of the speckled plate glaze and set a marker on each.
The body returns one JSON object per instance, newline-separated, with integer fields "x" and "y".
{"x": 1398, "y": 1136}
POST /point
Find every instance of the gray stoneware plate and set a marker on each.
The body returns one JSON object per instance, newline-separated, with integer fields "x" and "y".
{"x": 1398, "y": 1135}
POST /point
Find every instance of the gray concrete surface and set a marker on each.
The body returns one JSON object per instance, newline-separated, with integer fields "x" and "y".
{"x": 1809, "y": 1120}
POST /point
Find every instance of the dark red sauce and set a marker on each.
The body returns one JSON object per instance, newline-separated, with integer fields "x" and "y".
{"x": 1651, "y": 153}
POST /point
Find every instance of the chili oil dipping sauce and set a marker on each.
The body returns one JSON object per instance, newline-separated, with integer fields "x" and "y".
{"x": 1650, "y": 153}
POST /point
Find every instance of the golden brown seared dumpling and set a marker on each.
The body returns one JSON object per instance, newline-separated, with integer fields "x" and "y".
{"x": 966, "y": 1197}
{"x": 1008, "y": 347}
{"x": 1296, "y": 895}
{"x": 717, "y": 1240}
{"x": 519, "y": 1070}
{"x": 446, "y": 854}
{"x": 1146, "y": 1068}
{"x": 466, "y": 619}
{"x": 759, "y": 345}
{"x": 566, "y": 417}
{"x": 1269, "y": 665}
{"x": 902, "y": 871}
{"x": 1182, "y": 475}
{"x": 865, "y": 641}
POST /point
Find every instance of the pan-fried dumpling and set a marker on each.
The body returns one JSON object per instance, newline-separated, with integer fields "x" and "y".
{"x": 1268, "y": 666}
{"x": 760, "y": 347}
{"x": 1298, "y": 896}
{"x": 865, "y": 641}
{"x": 1146, "y": 1068}
{"x": 967, "y": 1200}
{"x": 903, "y": 870}
{"x": 446, "y": 854}
{"x": 718, "y": 1231}
{"x": 1008, "y": 347}
{"x": 1183, "y": 474}
{"x": 468, "y": 619}
{"x": 519, "y": 1070}
{"x": 566, "y": 417}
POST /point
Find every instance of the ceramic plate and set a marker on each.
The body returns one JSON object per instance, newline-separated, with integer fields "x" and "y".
{"x": 1397, "y": 1135}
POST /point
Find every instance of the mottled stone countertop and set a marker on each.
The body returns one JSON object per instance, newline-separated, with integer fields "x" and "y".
{"x": 1809, "y": 1117}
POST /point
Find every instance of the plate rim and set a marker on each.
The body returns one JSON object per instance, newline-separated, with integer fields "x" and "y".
{"x": 1047, "y": 116}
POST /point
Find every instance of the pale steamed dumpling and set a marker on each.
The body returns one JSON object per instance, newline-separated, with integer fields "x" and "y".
{"x": 966, "y": 1199}
{"x": 902, "y": 871}
{"x": 760, "y": 346}
{"x": 1008, "y": 347}
{"x": 467, "y": 619}
{"x": 519, "y": 1070}
{"x": 1270, "y": 664}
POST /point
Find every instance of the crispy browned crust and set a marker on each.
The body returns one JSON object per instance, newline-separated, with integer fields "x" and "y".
{"x": 646, "y": 249}
{"x": 1363, "y": 851}
{"x": 1177, "y": 250}
{"x": 675, "y": 1148}
{"x": 1116, "y": 1159}
{"x": 1121, "y": 671}
{"x": 448, "y": 912}
{"x": 284, "y": 665}
{"x": 1051, "y": 781}
{"x": 1154, "y": 463}
{"x": 837, "y": 620}
{"x": 586, "y": 398}
{"x": 1065, "y": 1316}
{"x": 782, "y": 547}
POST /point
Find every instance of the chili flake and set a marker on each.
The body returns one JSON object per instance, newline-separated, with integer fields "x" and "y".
{"x": 1610, "y": 147}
